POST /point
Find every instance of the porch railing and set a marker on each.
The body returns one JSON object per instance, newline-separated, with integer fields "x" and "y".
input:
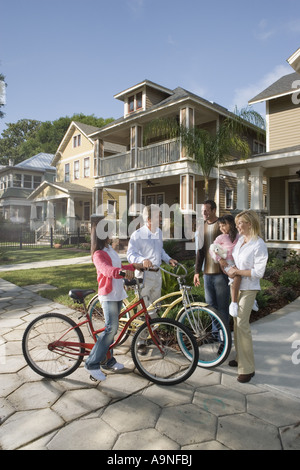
{"x": 144, "y": 157}
{"x": 282, "y": 228}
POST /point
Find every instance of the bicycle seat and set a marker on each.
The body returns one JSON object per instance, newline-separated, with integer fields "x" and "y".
{"x": 80, "y": 294}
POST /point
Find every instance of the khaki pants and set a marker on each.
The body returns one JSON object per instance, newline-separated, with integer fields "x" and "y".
{"x": 242, "y": 333}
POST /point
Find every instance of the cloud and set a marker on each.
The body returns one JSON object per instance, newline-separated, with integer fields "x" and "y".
{"x": 244, "y": 94}
{"x": 264, "y": 32}
{"x": 135, "y": 5}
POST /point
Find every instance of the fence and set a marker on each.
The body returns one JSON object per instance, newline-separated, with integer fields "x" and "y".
{"x": 18, "y": 237}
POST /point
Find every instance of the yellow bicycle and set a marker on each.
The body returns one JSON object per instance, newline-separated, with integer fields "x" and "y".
{"x": 210, "y": 329}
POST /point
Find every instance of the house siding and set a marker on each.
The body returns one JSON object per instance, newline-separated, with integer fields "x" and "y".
{"x": 284, "y": 123}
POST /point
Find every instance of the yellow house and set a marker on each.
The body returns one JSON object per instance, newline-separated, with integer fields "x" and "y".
{"x": 68, "y": 201}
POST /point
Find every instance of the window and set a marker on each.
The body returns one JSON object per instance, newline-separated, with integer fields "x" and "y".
{"x": 131, "y": 104}
{"x": 259, "y": 147}
{"x": 76, "y": 170}
{"x": 76, "y": 141}
{"x": 86, "y": 211}
{"x": 67, "y": 172}
{"x": 86, "y": 167}
{"x": 135, "y": 102}
{"x": 229, "y": 198}
{"x": 37, "y": 181}
{"x": 28, "y": 181}
{"x": 17, "y": 180}
{"x": 139, "y": 100}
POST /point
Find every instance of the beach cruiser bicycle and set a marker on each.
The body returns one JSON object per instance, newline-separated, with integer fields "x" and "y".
{"x": 54, "y": 346}
{"x": 210, "y": 329}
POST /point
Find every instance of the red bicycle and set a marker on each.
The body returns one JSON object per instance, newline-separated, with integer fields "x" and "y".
{"x": 54, "y": 345}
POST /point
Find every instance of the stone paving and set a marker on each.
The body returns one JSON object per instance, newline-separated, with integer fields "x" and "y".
{"x": 210, "y": 411}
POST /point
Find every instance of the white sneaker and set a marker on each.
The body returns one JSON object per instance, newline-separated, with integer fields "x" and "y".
{"x": 255, "y": 306}
{"x": 97, "y": 374}
{"x": 233, "y": 309}
{"x": 117, "y": 366}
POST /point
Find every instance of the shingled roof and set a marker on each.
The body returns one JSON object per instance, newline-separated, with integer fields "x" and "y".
{"x": 284, "y": 86}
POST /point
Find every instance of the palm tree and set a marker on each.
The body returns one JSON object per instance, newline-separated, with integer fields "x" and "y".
{"x": 210, "y": 150}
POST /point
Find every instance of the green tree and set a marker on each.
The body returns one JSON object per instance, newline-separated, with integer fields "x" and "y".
{"x": 26, "y": 137}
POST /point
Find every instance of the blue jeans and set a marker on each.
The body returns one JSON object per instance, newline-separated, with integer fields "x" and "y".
{"x": 217, "y": 293}
{"x": 111, "y": 310}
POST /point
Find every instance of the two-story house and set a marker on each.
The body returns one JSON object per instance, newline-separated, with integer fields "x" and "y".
{"x": 17, "y": 182}
{"x": 160, "y": 171}
{"x": 279, "y": 165}
{"x": 69, "y": 199}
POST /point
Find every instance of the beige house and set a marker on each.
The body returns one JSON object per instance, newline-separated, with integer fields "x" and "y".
{"x": 279, "y": 166}
{"x": 161, "y": 172}
{"x": 69, "y": 200}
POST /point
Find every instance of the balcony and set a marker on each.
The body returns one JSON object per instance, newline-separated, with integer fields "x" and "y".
{"x": 283, "y": 231}
{"x": 141, "y": 158}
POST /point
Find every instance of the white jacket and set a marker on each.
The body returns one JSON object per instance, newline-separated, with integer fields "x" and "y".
{"x": 254, "y": 256}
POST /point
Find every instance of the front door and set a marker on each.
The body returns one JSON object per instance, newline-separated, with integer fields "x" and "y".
{"x": 294, "y": 198}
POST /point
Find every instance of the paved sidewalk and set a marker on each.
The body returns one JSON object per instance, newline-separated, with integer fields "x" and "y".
{"x": 211, "y": 410}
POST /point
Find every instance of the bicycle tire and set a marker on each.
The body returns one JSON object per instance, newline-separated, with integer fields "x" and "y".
{"x": 38, "y": 336}
{"x": 212, "y": 334}
{"x": 173, "y": 366}
{"x": 96, "y": 315}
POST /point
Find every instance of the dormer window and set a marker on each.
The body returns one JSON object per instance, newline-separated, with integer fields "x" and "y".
{"x": 135, "y": 102}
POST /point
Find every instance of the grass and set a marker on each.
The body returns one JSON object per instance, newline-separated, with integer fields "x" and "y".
{"x": 29, "y": 255}
{"x": 63, "y": 277}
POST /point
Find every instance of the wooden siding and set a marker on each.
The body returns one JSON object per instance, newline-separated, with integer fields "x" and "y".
{"x": 72, "y": 154}
{"x": 154, "y": 97}
{"x": 284, "y": 123}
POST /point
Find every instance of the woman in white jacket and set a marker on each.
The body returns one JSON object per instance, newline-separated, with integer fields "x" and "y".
{"x": 250, "y": 256}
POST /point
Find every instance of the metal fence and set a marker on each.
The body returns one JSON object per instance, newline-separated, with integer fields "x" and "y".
{"x": 19, "y": 237}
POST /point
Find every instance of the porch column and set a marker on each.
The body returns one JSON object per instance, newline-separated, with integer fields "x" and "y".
{"x": 33, "y": 216}
{"x": 50, "y": 215}
{"x": 242, "y": 190}
{"x": 70, "y": 222}
{"x": 187, "y": 119}
{"x": 187, "y": 194}
{"x": 98, "y": 156}
{"x": 98, "y": 201}
{"x": 256, "y": 178}
{"x": 135, "y": 198}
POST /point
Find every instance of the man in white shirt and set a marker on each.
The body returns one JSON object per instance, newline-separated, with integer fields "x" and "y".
{"x": 146, "y": 247}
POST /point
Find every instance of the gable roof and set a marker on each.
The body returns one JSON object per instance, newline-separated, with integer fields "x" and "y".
{"x": 85, "y": 129}
{"x": 68, "y": 188}
{"x": 284, "y": 86}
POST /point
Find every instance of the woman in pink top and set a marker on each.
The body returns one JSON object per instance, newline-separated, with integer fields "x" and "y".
{"x": 221, "y": 251}
{"x": 111, "y": 293}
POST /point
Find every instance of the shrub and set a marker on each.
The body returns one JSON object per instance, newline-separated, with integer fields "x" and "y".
{"x": 289, "y": 278}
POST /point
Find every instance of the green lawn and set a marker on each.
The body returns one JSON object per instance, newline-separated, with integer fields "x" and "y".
{"x": 63, "y": 277}
{"x": 29, "y": 255}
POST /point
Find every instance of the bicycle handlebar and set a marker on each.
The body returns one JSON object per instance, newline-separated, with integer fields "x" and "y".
{"x": 173, "y": 274}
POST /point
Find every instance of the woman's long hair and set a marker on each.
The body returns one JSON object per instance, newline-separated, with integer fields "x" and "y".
{"x": 96, "y": 242}
{"x": 229, "y": 219}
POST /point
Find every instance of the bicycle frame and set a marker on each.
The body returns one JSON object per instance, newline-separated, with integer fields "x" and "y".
{"x": 89, "y": 346}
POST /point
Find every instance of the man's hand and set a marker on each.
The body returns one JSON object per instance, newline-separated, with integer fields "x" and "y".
{"x": 173, "y": 262}
{"x": 147, "y": 264}
{"x": 196, "y": 280}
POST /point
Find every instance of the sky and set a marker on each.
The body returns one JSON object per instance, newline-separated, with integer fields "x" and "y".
{"x": 61, "y": 57}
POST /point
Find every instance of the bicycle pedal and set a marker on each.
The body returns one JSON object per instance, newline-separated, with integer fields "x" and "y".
{"x": 93, "y": 379}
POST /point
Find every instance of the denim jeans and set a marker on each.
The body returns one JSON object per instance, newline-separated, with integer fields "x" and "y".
{"x": 111, "y": 310}
{"x": 217, "y": 293}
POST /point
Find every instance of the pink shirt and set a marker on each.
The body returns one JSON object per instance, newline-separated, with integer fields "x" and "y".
{"x": 227, "y": 244}
{"x": 106, "y": 272}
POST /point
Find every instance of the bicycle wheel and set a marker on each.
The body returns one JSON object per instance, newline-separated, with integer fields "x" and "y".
{"x": 164, "y": 362}
{"x": 96, "y": 315}
{"x": 41, "y": 353}
{"x": 212, "y": 334}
